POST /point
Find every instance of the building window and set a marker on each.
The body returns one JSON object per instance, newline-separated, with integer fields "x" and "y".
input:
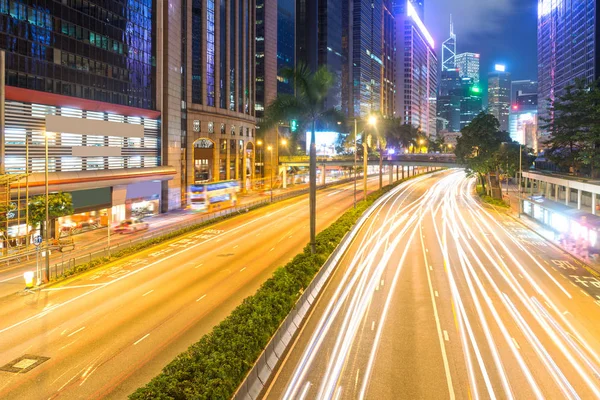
{"x": 232, "y": 130}
{"x": 197, "y": 51}
{"x": 222, "y": 129}
{"x": 210, "y": 53}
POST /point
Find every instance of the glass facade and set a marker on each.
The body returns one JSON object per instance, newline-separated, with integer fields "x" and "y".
{"x": 286, "y": 52}
{"x": 567, "y": 47}
{"x": 102, "y": 51}
{"x": 499, "y": 97}
{"x": 330, "y": 47}
{"x": 197, "y": 51}
{"x": 468, "y": 66}
{"x": 210, "y": 53}
{"x": 365, "y": 50}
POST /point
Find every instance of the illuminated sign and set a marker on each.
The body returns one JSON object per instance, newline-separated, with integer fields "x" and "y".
{"x": 413, "y": 14}
{"x": 500, "y": 68}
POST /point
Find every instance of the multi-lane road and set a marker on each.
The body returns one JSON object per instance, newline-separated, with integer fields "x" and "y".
{"x": 440, "y": 298}
{"x": 109, "y": 331}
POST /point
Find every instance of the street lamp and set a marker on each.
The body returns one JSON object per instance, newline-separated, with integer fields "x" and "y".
{"x": 47, "y": 222}
{"x": 283, "y": 142}
{"x": 270, "y": 149}
{"x": 259, "y": 145}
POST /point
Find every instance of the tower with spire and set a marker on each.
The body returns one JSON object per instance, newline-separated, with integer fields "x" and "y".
{"x": 449, "y": 50}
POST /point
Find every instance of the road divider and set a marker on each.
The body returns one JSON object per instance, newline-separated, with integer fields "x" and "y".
{"x": 238, "y": 356}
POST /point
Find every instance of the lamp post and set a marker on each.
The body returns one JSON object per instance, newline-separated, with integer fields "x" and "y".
{"x": 260, "y": 168}
{"x": 270, "y": 149}
{"x": 47, "y": 222}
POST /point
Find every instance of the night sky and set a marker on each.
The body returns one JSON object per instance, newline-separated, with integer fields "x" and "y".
{"x": 502, "y": 31}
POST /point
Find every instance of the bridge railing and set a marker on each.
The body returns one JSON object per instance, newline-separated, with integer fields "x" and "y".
{"x": 395, "y": 157}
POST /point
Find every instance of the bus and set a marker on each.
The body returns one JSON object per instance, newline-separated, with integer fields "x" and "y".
{"x": 207, "y": 197}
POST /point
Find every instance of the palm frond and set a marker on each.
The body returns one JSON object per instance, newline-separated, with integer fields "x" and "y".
{"x": 284, "y": 108}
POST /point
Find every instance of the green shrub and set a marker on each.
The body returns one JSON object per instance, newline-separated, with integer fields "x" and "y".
{"x": 215, "y": 366}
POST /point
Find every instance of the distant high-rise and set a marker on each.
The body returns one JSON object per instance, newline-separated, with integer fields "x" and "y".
{"x": 523, "y": 120}
{"x": 518, "y": 88}
{"x": 468, "y": 66}
{"x": 416, "y": 71}
{"x": 499, "y": 95}
{"x": 448, "y": 101}
{"x": 568, "y": 47}
{"x": 362, "y": 73}
{"x": 389, "y": 57}
{"x": 471, "y": 101}
{"x": 449, "y": 50}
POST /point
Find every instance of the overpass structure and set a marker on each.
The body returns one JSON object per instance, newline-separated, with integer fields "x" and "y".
{"x": 405, "y": 160}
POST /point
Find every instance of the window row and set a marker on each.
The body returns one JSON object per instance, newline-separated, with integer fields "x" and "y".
{"x": 63, "y": 164}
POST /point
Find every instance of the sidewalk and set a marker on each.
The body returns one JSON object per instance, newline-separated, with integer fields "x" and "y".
{"x": 566, "y": 244}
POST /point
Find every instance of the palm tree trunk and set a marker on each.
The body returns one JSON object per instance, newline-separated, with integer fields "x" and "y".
{"x": 313, "y": 189}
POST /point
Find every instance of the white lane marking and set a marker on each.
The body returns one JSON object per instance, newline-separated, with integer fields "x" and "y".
{"x": 78, "y": 330}
{"x": 446, "y": 337}
{"x": 437, "y": 294}
{"x": 10, "y": 279}
{"x": 242, "y": 270}
{"x": 258, "y": 234}
{"x": 142, "y": 338}
{"x": 147, "y": 293}
{"x": 201, "y": 297}
{"x": 198, "y": 266}
{"x": 516, "y": 344}
{"x": 382, "y": 282}
{"x": 236, "y": 246}
{"x": 73, "y": 287}
{"x": 582, "y": 291}
{"x": 120, "y": 278}
{"x": 373, "y": 325}
{"x": 431, "y": 268}
{"x": 272, "y": 249}
{"x": 334, "y": 193}
{"x": 67, "y": 345}
{"x": 290, "y": 236}
{"x": 218, "y": 240}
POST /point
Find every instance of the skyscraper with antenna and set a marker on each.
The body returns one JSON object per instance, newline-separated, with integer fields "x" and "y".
{"x": 449, "y": 50}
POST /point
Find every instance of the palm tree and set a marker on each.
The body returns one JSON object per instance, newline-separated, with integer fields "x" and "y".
{"x": 402, "y": 135}
{"x": 308, "y": 107}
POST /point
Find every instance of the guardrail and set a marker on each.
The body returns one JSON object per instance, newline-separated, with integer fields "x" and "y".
{"x": 66, "y": 262}
{"x": 267, "y": 363}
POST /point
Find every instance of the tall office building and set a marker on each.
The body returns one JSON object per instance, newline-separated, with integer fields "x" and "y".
{"x": 499, "y": 95}
{"x": 471, "y": 101}
{"x": 388, "y": 89}
{"x": 82, "y": 76}
{"x": 362, "y": 41}
{"x": 448, "y": 101}
{"x": 523, "y": 120}
{"x": 568, "y": 47}
{"x": 321, "y": 46}
{"x": 468, "y": 65}
{"x": 449, "y": 50}
{"x": 416, "y": 72}
{"x": 219, "y": 100}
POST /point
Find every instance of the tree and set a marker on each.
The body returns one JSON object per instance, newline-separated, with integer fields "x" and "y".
{"x": 478, "y": 147}
{"x": 59, "y": 205}
{"x": 400, "y": 135}
{"x": 306, "y": 106}
{"x": 436, "y": 144}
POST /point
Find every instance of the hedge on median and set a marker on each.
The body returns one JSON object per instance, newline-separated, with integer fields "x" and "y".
{"x": 214, "y": 367}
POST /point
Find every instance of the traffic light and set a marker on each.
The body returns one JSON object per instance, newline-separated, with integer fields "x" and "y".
{"x": 294, "y": 125}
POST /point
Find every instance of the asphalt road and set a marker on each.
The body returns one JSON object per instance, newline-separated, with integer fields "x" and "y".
{"x": 109, "y": 331}
{"x": 439, "y": 298}
{"x": 96, "y": 241}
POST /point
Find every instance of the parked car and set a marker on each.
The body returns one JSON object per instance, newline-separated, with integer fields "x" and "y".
{"x": 130, "y": 226}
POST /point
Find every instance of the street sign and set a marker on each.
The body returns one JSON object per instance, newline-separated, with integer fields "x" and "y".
{"x": 37, "y": 240}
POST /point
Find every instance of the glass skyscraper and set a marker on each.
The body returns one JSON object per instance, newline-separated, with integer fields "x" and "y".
{"x": 567, "y": 47}
{"x": 499, "y": 95}
{"x": 98, "y": 51}
{"x": 363, "y": 41}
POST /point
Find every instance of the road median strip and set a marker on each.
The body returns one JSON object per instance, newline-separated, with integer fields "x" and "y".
{"x": 215, "y": 366}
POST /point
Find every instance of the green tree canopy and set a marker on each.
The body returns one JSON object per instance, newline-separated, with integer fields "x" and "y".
{"x": 59, "y": 205}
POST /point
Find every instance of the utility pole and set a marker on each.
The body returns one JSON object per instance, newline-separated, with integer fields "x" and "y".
{"x": 355, "y": 156}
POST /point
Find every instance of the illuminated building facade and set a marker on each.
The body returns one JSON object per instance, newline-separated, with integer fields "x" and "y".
{"x": 448, "y": 101}
{"x": 499, "y": 95}
{"x": 468, "y": 66}
{"x": 416, "y": 72}
{"x": 471, "y": 101}
{"x": 388, "y": 88}
{"x": 82, "y": 76}
{"x": 449, "y": 50}
{"x": 219, "y": 93}
{"x": 567, "y": 47}
{"x": 362, "y": 41}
